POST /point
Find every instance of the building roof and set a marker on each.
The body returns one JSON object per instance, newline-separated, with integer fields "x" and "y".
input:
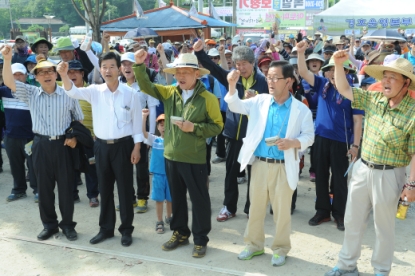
{"x": 155, "y": 19}
{"x": 39, "y": 21}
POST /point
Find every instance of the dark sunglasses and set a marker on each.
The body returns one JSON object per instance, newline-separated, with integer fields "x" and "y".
{"x": 214, "y": 57}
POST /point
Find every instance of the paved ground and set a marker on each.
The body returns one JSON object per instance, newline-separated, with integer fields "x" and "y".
{"x": 314, "y": 249}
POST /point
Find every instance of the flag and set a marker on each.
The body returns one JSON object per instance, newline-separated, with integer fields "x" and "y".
{"x": 193, "y": 11}
{"x": 138, "y": 9}
{"x": 212, "y": 11}
{"x": 162, "y": 3}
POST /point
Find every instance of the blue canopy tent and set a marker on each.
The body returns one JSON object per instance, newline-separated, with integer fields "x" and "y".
{"x": 168, "y": 21}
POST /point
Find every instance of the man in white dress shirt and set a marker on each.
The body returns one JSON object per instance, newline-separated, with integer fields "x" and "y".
{"x": 116, "y": 110}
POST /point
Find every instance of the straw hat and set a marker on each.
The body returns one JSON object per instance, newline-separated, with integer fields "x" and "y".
{"x": 183, "y": 61}
{"x": 42, "y": 63}
{"x": 400, "y": 66}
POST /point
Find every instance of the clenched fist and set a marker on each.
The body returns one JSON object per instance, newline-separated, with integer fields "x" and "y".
{"x": 340, "y": 57}
{"x": 62, "y": 69}
{"x": 140, "y": 56}
{"x": 302, "y": 46}
{"x": 160, "y": 48}
{"x": 233, "y": 78}
{"x": 7, "y": 52}
{"x": 221, "y": 49}
{"x": 198, "y": 46}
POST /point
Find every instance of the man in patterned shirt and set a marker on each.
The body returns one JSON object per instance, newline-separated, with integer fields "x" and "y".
{"x": 378, "y": 178}
{"x": 52, "y": 112}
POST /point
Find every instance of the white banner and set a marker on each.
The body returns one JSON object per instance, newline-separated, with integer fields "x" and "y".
{"x": 292, "y": 4}
{"x": 221, "y": 11}
{"x": 4, "y": 4}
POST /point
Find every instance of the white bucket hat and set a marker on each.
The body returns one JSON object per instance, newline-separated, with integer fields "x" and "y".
{"x": 401, "y": 66}
{"x": 183, "y": 61}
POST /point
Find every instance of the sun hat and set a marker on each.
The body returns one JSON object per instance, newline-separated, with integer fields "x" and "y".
{"x": 18, "y": 68}
{"x": 346, "y": 65}
{"x": 339, "y": 42}
{"x": 42, "y": 63}
{"x": 31, "y": 58}
{"x": 213, "y": 52}
{"x": 64, "y": 44}
{"x": 161, "y": 117}
{"x": 263, "y": 60}
{"x": 401, "y": 66}
{"x": 128, "y": 57}
{"x": 41, "y": 40}
{"x": 372, "y": 56}
{"x": 183, "y": 61}
{"x": 315, "y": 56}
{"x": 151, "y": 41}
{"x": 222, "y": 38}
{"x": 75, "y": 65}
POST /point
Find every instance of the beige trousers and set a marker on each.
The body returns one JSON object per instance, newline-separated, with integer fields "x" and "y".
{"x": 269, "y": 184}
{"x": 377, "y": 190}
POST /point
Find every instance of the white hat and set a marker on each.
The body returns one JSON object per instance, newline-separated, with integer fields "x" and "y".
{"x": 128, "y": 57}
{"x": 18, "y": 67}
{"x": 213, "y": 52}
{"x": 75, "y": 42}
{"x": 183, "y": 61}
{"x": 315, "y": 56}
{"x": 167, "y": 46}
{"x": 228, "y": 52}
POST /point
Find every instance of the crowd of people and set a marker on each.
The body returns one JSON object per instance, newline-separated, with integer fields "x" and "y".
{"x": 264, "y": 103}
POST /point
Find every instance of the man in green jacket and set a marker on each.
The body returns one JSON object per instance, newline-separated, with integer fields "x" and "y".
{"x": 197, "y": 117}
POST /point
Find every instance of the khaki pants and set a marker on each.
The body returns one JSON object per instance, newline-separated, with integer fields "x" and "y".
{"x": 269, "y": 183}
{"x": 378, "y": 190}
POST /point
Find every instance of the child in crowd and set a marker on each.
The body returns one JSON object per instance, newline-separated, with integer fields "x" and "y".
{"x": 160, "y": 191}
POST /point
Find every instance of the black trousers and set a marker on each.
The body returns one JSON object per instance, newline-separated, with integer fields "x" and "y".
{"x": 91, "y": 177}
{"x": 113, "y": 163}
{"x": 312, "y": 170}
{"x": 142, "y": 175}
{"x": 192, "y": 177}
{"x": 52, "y": 162}
{"x": 220, "y": 140}
{"x": 330, "y": 155}
{"x": 232, "y": 173}
{"x": 209, "y": 156}
{"x": 17, "y": 157}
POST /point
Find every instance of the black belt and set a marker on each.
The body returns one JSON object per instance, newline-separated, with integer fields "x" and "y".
{"x": 114, "y": 141}
{"x": 56, "y": 137}
{"x": 377, "y": 167}
{"x": 270, "y": 160}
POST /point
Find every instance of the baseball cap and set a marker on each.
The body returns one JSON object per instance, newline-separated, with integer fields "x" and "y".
{"x": 329, "y": 48}
{"x": 227, "y": 52}
{"x": 177, "y": 43}
{"x": 75, "y": 65}
{"x": 249, "y": 40}
{"x": 21, "y": 37}
{"x": 211, "y": 42}
{"x": 167, "y": 46}
{"x": 213, "y": 52}
{"x": 160, "y": 118}
{"x": 128, "y": 57}
{"x": 366, "y": 42}
{"x": 18, "y": 67}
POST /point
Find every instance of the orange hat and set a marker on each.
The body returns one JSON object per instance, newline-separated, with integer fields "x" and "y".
{"x": 160, "y": 118}
{"x": 211, "y": 42}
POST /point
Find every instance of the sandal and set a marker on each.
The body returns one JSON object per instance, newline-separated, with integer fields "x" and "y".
{"x": 168, "y": 220}
{"x": 160, "y": 227}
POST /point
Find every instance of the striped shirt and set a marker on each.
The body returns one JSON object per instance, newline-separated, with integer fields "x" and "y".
{"x": 389, "y": 136}
{"x": 51, "y": 113}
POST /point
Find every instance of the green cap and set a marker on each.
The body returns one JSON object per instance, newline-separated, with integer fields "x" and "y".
{"x": 64, "y": 43}
{"x": 347, "y": 65}
{"x": 41, "y": 40}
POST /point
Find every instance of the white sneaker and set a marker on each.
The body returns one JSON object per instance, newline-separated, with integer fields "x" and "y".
{"x": 224, "y": 215}
{"x": 277, "y": 260}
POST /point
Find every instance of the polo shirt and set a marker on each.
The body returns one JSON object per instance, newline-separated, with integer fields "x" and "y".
{"x": 277, "y": 122}
{"x": 334, "y": 118}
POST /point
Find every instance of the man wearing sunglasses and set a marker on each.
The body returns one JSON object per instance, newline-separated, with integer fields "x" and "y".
{"x": 214, "y": 55}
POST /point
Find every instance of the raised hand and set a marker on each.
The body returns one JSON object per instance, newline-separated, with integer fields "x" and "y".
{"x": 198, "y": 46}
{"x": 221, "y": 49}
{"x": 106, "y": 38}
{"x": 145, "y": 112}
{"x": 6, "y": 51}
{"x": 140, "y": 56}
{"x": 233, "y": 77}
{"x": 340, "y": 57}
{"x": 302, "y": 46}
{"x": 62, "y": 69}
{"x": 160, "y": 48}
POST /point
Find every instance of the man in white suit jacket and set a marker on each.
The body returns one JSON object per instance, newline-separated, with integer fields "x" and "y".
{"x": 274, "y": 168}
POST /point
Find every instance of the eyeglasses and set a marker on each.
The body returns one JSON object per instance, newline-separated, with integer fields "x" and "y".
{"x": 44, "y": 73}
{"x": 214, "y": 57}
{"x": 274, "y": 79}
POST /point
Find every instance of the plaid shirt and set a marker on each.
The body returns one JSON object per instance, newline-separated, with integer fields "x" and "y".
{"x": 389, "y": 136}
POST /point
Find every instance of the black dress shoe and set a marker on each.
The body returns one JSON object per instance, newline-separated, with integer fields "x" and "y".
{"x": 318, "y": 219}
{"x": 340, "y": 223}
{"x": 100, "y": 238}
{"x": 47, "y": 233}
{"x": 126, "y": 240}
{"x": 70, "y": 234}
